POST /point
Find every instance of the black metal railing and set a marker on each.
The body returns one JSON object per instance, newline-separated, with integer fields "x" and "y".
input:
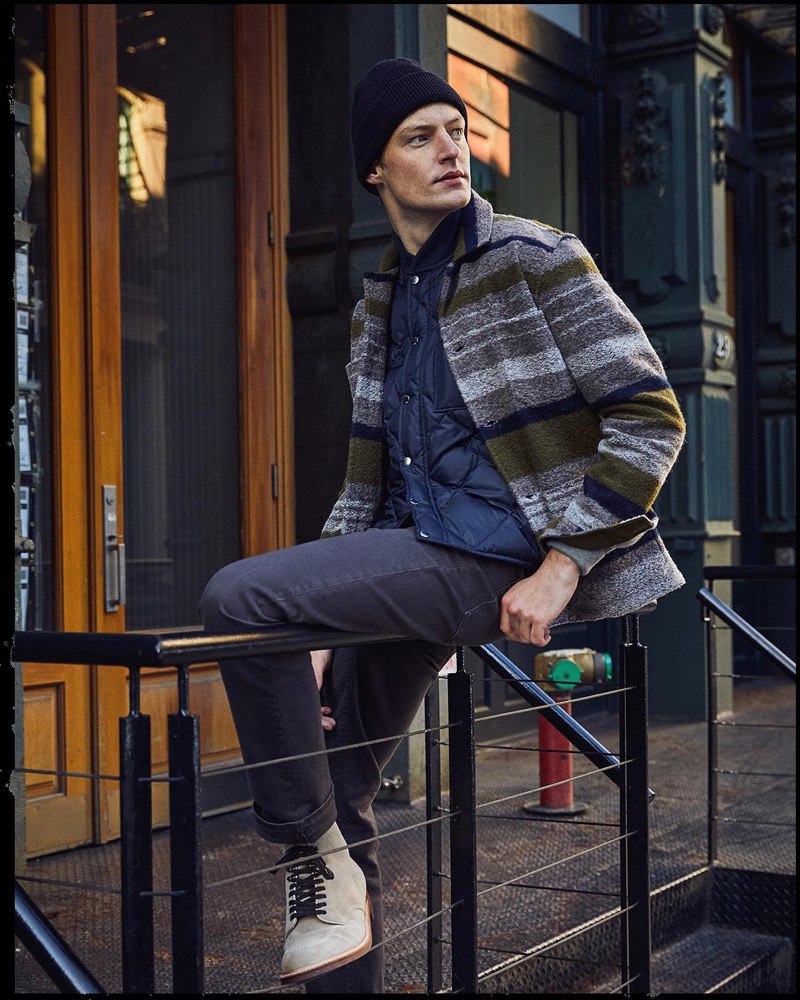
{"x": 719, "y": 616}
{"x": 49, "y": 948}
{"x": 179, "y": 650}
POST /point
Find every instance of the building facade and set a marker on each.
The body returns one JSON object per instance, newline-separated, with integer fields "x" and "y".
{"x": 189, "y": 245}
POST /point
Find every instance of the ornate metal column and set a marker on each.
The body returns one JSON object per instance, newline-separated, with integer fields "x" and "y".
{"x": 666, "y": 65}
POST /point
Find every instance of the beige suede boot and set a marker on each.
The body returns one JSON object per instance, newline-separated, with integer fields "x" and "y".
{"x": 327, "y": 909}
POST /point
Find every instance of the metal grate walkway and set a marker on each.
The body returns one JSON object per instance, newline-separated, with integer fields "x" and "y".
{"x": 243, "y": 911}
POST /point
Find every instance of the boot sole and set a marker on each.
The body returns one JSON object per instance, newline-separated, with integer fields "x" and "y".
{"x": 312, "y": 971}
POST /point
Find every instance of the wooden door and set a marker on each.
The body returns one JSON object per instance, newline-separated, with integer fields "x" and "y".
{"x": 170, "y": 395}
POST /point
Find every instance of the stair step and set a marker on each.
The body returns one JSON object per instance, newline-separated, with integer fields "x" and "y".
{"x": 719, "y": 960}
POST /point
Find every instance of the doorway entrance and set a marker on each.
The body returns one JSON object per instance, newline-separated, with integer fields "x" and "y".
{"x": 153, "y": 363}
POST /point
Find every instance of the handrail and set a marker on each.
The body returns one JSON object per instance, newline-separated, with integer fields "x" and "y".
{"x": 562, "y": 721}
{"x": 710, "y": 603}
{"x": 49, "y": 949}
{"x": 179, "y": 648}
{"x": 135, "y": 651}
{"x": 746, "y": 631}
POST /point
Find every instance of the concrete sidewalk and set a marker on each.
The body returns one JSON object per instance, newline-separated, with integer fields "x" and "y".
{"x": 243, "y": 902}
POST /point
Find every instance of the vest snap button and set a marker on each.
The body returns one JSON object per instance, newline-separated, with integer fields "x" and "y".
{"x": 424, "y": 534}
{"x": 406, "y": 460}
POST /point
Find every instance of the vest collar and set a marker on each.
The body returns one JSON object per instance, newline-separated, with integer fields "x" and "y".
{"x": 436, "y": 250}
{"x": 475, "y": 231}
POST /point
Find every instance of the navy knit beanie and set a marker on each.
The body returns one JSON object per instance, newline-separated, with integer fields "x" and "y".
{"x": 386, "y": 95}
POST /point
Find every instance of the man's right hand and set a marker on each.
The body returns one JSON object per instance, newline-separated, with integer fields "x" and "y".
{"x": 528, "y": 607}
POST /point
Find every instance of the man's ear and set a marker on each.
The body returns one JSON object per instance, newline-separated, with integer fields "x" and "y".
{"x": 374, "y": 176}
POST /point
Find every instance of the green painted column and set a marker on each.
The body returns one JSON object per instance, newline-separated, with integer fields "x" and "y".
{"x": 666, "y": 63}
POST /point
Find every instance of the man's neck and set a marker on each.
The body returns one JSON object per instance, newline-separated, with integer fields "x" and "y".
{"x": 414, "y": 233}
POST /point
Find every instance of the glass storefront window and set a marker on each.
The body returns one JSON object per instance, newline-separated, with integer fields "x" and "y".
{"x": 178, "y": 293}
{"x": 524, "y": 151}
{"x": 568, "y": 16}
{"x": 32, "y": 311}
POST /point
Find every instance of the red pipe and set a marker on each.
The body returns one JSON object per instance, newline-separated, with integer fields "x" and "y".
{"x": 555, "y": 769}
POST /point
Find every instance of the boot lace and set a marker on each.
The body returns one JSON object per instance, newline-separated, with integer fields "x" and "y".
{"x": 306, "y": 881}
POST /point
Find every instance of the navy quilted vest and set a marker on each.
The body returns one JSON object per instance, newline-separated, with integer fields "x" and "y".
{"x": 440, "y": 474}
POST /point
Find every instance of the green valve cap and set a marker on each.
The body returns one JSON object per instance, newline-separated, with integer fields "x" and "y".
{"x": 565, "y": 674}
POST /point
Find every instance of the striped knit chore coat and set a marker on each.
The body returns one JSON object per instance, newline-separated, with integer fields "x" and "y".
{"x": 562, "y": 384}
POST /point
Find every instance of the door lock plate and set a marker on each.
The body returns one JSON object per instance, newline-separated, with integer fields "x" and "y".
{"x": 113, "y": 553}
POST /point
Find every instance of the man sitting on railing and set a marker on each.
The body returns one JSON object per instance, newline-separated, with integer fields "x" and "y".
{"x": 512, "y": 427}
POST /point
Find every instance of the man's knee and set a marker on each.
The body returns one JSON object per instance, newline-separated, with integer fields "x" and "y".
{"x": 222, "y": 602}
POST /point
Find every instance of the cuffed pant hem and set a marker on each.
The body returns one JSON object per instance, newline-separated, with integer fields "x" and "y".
{"x": 305, "y": 831}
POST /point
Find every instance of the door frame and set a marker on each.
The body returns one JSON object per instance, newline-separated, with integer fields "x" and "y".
{"x": 87, "y": 700}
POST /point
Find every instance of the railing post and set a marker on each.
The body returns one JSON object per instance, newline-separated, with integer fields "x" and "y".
{"x": 634, "y": 817}
{"x": 186, "y": 861}
{"x": 433, "y": 831}
{"x": 712, "y": 707}
{"x": 136, "y": 833}
{"x": 463, "y": 849}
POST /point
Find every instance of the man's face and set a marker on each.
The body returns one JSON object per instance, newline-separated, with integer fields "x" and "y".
{"x": 423, "y": 174}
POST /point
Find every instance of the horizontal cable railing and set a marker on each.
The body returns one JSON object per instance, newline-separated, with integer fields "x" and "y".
{"x": 773, "y": 745}
{"x": 453, "y": 810}
{"x": 743, "y": 628}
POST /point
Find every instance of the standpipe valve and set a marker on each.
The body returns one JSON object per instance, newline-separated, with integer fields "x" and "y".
{"x": 559, "y": 672}
{"x": 564, "y": 669}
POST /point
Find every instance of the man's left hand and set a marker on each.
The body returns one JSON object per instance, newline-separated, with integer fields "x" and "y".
{"x": 321, "y": 659}
{"x": 528, "y": 607}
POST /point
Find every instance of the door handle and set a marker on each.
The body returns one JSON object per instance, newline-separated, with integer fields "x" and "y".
{"x": 113, "y": 552}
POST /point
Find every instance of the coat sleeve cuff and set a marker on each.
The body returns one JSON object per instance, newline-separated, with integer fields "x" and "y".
{"x": 586, "y": 559}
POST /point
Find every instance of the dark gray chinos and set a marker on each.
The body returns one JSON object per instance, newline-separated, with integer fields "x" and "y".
{"x": 384, "y": 581}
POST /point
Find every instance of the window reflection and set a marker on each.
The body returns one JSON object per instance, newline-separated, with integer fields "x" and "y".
{"x": 524, "y": 152}
{"x": 179, "y": 323}
{"x": 32, "y": 279}
{"x": 142, "y": 146}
